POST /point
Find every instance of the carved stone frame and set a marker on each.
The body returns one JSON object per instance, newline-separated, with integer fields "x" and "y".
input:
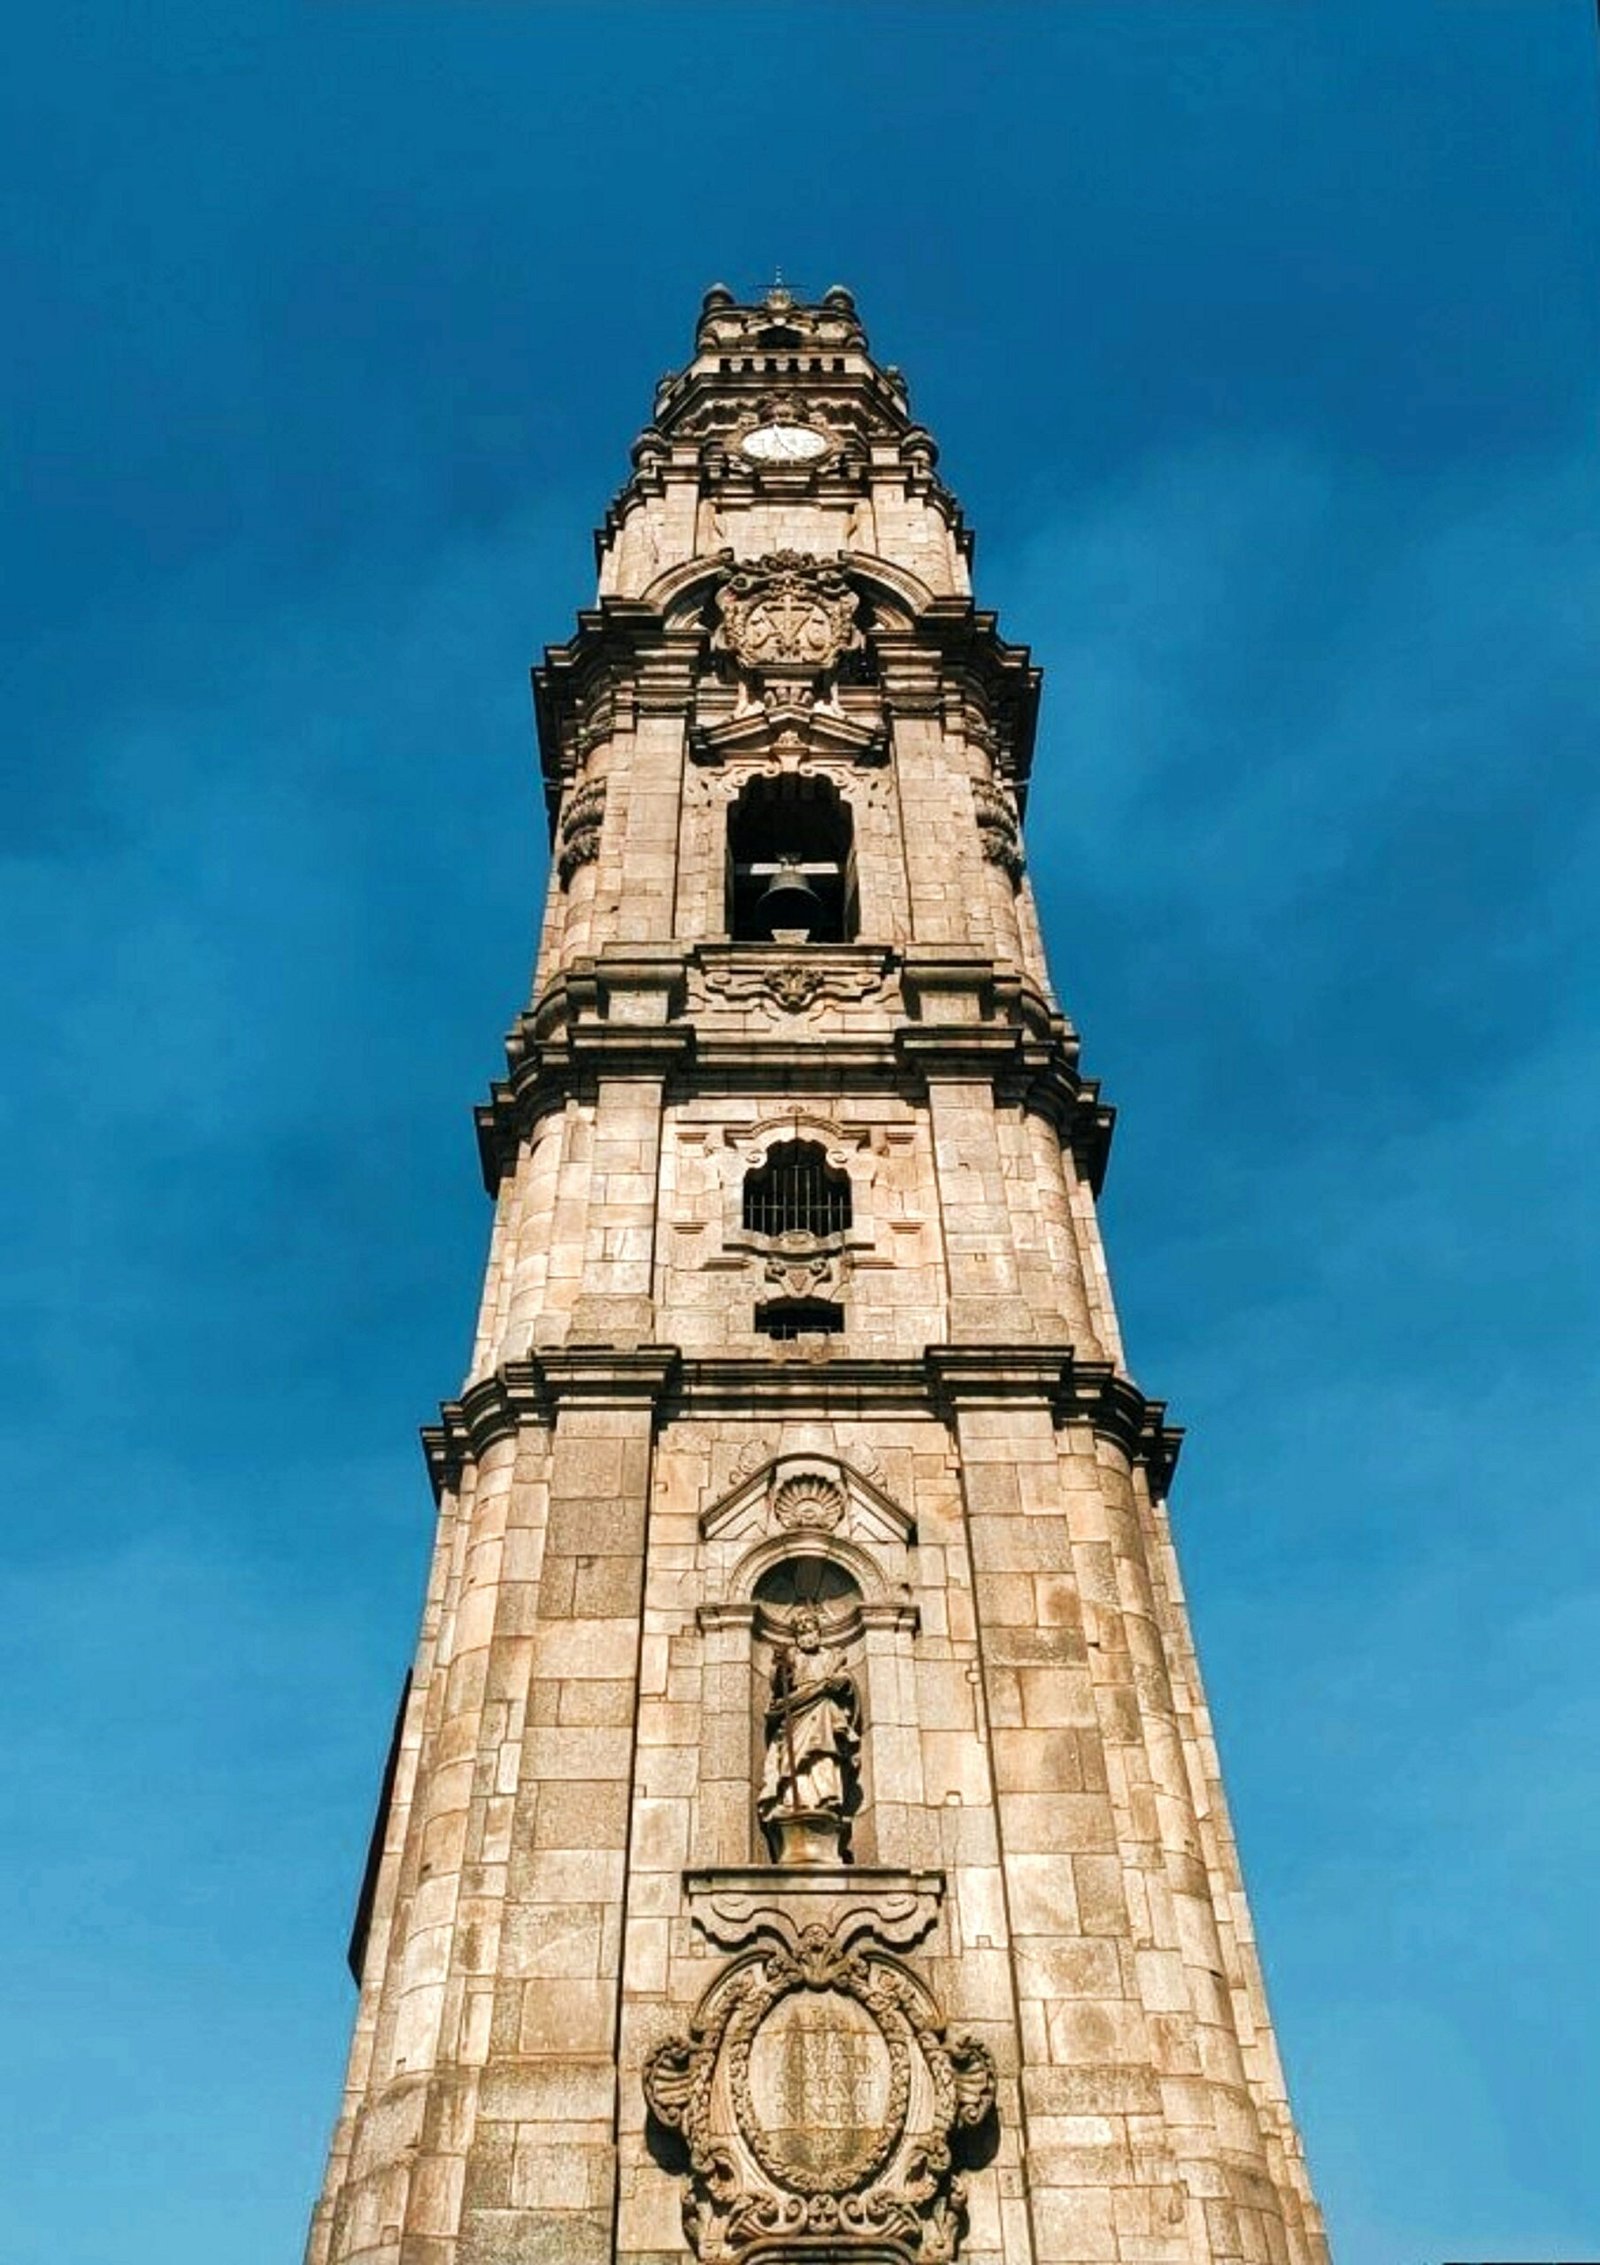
{"x": 747, "y": 2198}
{"x": 847, "y": 1151}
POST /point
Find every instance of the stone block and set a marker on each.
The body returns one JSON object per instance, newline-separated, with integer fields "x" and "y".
{"x": 604, "y": 1587}
{"x": 1060, "y": 1968}
{"x": 592, "y": 1755}
{"x": 543, "y": 2237}
{"x": 1056, "y": 1823}
{"x": 1037, "y": 1760}
{"x": 953, "y": 1763}
{"x": 563, "y": 2016}
{"x": 549, "y": 1940}
{"x": 571, "y": 1813}
{"x": 1074, "y": 2225}
{"x": 433, "y": 2201}
{"x": 598, "y": 1651}
{"x": 596, "y": 1705}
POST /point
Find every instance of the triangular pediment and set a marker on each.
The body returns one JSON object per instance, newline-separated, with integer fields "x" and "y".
{"x": 789, "y": 728}
{"x": 815, "y": 1494}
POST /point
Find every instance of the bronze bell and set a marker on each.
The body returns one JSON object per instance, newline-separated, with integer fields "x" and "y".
{"x": 789, "y": 904}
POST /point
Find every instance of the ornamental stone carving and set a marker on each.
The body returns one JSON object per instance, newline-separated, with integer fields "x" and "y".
{"x": 797, "y": 1268}
{"x": 578, "y": 842}
{"x": 786, "y": 620}
{"x": 998, "y": 832}
{"x": 750, "y": 1458}
{"x": 793, "y": 987}
{"x": 808, "y": 1502}
{"x": 818, "y": 2094}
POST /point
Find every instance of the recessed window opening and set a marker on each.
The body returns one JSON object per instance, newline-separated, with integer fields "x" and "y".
{"x": 797, "y": 1192}
{"x": 791, "y": 864}
{"x": 785, "y": 1318}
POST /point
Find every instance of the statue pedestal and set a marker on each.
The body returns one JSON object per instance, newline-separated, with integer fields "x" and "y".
{"x": 805, "y": 1836}
{"x": 734, "y": 1905}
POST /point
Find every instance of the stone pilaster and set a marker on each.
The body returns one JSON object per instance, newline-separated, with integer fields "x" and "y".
{"x": 542, "y": 2175}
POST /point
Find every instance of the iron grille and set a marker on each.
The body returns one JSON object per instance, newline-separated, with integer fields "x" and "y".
{"x": 795, "y": 1193}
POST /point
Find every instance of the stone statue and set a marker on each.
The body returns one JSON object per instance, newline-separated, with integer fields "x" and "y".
{"x": 813, "y": 1738}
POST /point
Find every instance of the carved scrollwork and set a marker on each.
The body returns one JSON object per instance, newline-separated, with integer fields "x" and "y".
{"x": 750, "y": 1458}
{"x": 792, "y": 987}
{"x": 736, "y": 1908}
{"x": 801, "y": 1270}
{"x": 998, "y": 831}
{"x": 578, "y": 841}
{"x": 817, "y": 2093}
{"x": 786, "y": 620}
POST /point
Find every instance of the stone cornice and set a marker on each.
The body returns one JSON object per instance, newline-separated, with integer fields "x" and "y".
{"x": 798, "y": 1378}
{"x": 955, "y": 640}
{"x": 620, "y": 1014}
{"x": 624, "y": 651}
{"x": 533, "y": 1392}
{"x": 1045, "y": 1080}
{"x": 1079, "y": 1391}
{"x": 759, "y": 734}
{"x": 627, "y": 657}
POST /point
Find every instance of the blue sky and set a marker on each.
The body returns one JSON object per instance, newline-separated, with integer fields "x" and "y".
{"x": 1262, "y": 346}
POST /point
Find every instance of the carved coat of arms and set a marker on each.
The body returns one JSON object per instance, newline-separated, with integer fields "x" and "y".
{"x": 787, "y": 617}
{"x": 818, "y": 2094}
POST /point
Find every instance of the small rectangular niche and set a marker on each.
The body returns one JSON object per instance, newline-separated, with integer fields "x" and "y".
{"x": 798, "y": 1317}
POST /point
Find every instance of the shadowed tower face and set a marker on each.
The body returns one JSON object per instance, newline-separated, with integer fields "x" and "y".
{"x": 804, "y": 1840}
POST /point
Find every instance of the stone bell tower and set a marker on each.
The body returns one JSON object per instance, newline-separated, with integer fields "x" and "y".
{"x": 803, "y": 1842}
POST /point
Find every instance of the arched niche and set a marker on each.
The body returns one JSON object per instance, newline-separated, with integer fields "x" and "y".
{"x": 799, "y": 1527}
{"x": 807, "y": 1629}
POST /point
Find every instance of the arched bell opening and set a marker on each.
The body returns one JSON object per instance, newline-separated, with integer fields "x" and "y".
{"x": 791, "y": 863}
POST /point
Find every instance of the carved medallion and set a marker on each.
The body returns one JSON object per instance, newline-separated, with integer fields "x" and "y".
{"x": 821, "y": 2084}
{"x": 818, "y": 2094}
{"x": 820, "y": 2077}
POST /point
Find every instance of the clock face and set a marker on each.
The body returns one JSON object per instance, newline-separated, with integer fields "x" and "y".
{"x": 784, "y": 444}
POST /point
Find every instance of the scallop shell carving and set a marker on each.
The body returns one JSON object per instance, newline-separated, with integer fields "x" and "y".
{"x": 808, "y": 1500}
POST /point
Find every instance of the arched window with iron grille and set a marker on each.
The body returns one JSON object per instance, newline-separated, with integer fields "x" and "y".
{"x": 797, "y": 1192}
